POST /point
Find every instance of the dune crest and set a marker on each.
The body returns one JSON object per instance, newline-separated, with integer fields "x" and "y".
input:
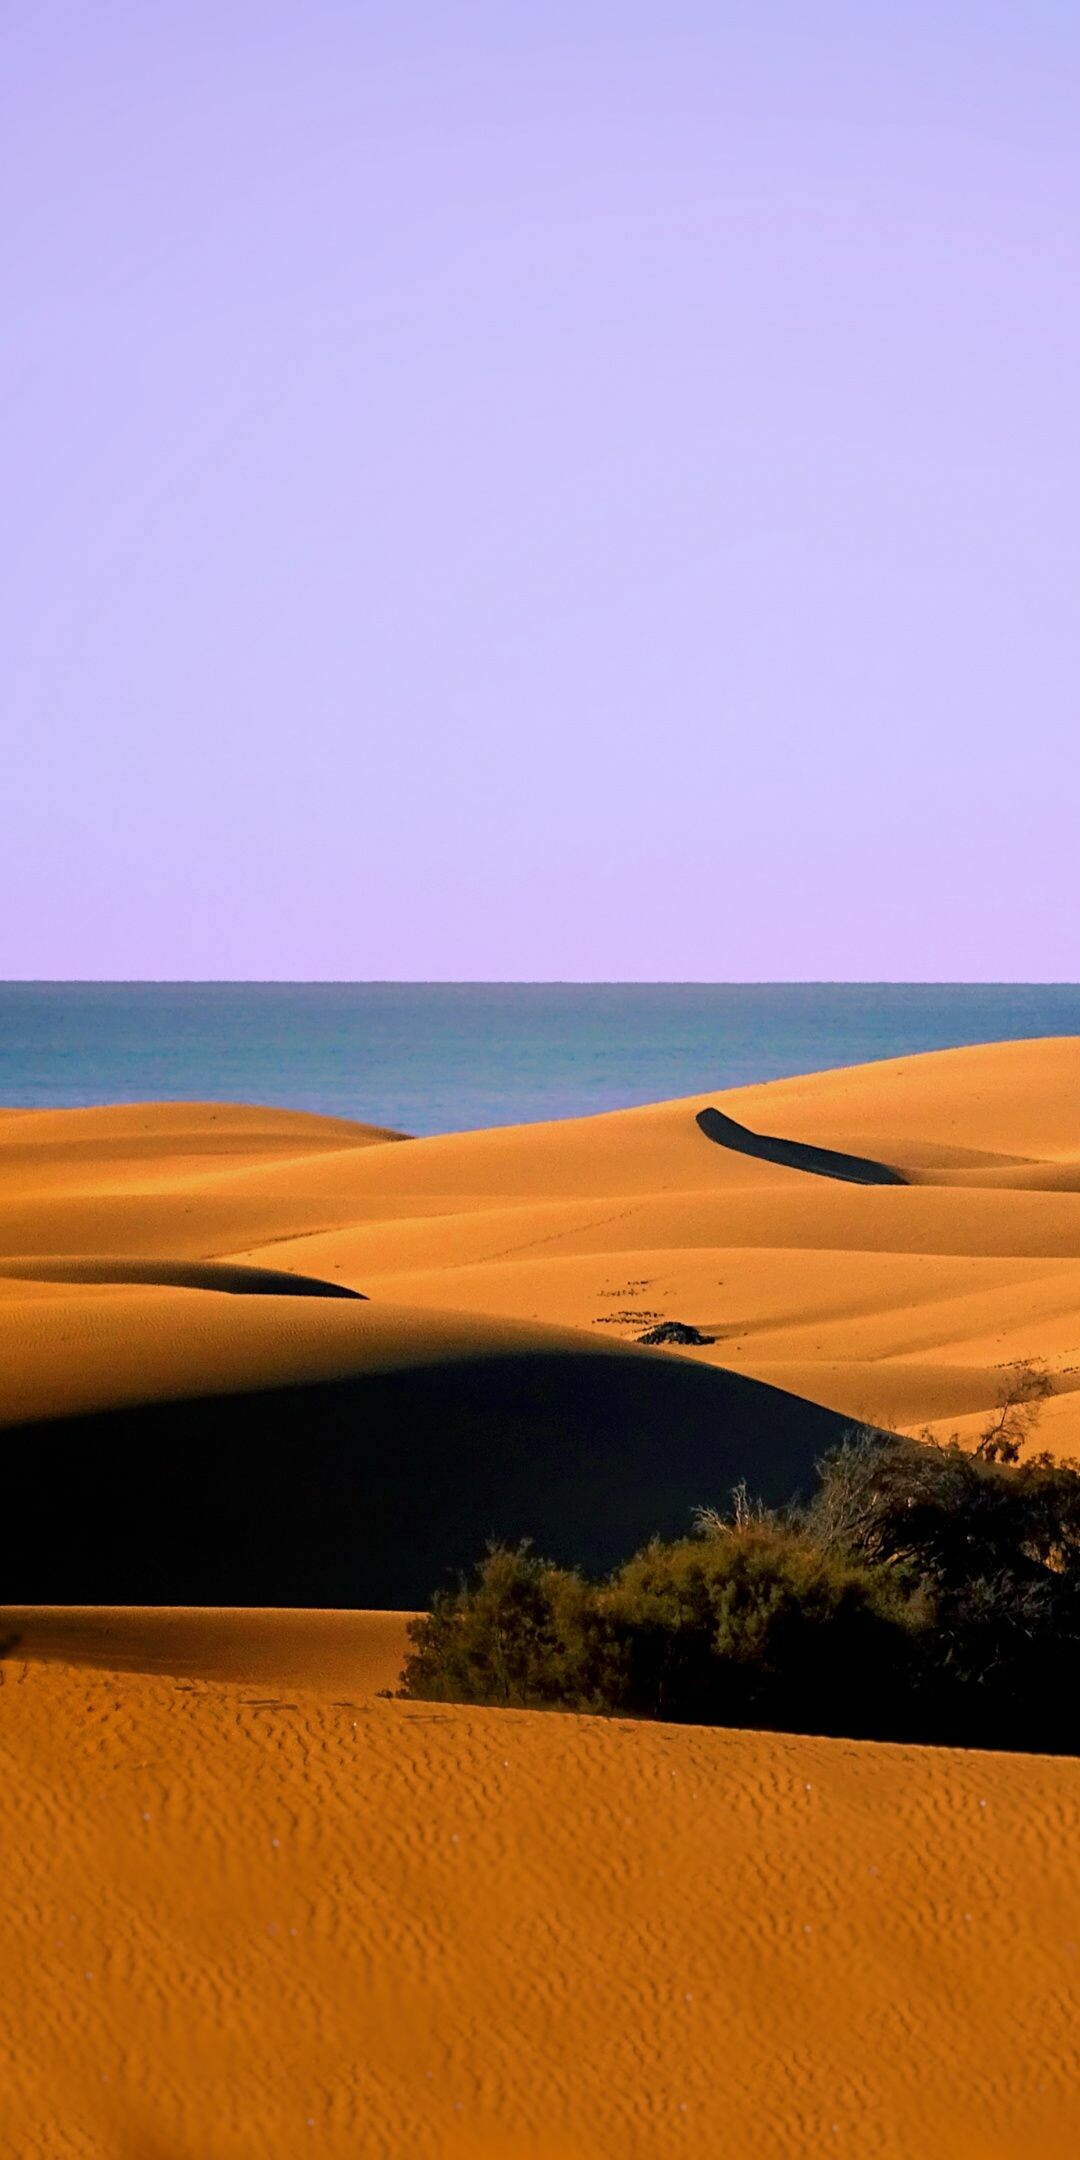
{"x": 228, "y": 1277}
{"x": 794, "y": 1154}
{"x": 901, "y": 1301}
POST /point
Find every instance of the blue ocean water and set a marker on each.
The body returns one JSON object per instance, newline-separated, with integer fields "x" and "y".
{"x": 441, "y": 1057}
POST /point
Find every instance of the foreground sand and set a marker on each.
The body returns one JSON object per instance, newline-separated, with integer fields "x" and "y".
{"x": 247, "y": 1917}
{"x": 900, "y": 1304}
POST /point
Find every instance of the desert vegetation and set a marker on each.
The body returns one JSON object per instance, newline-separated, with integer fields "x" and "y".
{"x": 924, "y": 1591}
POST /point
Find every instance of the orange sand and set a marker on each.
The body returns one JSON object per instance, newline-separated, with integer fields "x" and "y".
{"x": 899, "y": 1304}
{"x": 246, "y": 1919}
{"x": 252, "y": 1909}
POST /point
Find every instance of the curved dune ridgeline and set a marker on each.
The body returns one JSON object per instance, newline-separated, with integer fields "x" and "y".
{"x": 375, "y": 1486}
{"x": 219, "y": 1275}
{"x": 794, "y": 1154}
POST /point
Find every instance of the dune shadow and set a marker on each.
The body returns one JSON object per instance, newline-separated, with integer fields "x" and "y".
{"x": 795, "y": 1154}
{"x": 232, "y": 1277}
{"x": 374, "y": 1490}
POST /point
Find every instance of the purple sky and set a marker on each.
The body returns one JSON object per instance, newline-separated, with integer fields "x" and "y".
{"x": 581, "y": 490}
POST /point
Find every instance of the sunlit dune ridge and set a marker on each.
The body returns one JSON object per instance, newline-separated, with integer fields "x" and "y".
{"x": 900, "y": 1303}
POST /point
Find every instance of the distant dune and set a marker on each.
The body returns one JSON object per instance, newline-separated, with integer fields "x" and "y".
{"x": 199, "y": 1413}
{"x": 250, "y": 1911}
{"x": 240, "y": 1281}
{"x": 884, "y": 1301}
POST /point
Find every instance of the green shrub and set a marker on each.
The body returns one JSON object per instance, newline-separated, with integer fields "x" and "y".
{"x": 992, "y": 1548}
{"x": 925, "y": 1591}
{"x": 944, "y": 1513}
{"x": 750, "y": 1626}
{"x": 756, "y": 1625}
{"x": 518, "y": 1633}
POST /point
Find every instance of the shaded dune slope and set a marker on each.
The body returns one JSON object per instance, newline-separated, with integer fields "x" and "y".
{"x": 794, "y": 1154}
{"x": 373, "y": 1487}
{"x": 222, "y": 1275}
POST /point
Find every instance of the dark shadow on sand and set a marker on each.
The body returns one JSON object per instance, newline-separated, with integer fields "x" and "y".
{"x": 374, "y": 1490}
{"x": 232, "y": 1277}
{"x": 795, "y": 1154}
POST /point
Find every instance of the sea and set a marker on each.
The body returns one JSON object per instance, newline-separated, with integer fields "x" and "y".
{"x": 446, "y": 1057}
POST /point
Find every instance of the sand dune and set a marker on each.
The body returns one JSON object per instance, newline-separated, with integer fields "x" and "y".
{"x": 900, "y": 1302}
{"x": 248, "y": 1917}
{"x": 332, "y": 1652}
{"x": 613, "y": 1223}
{"x": 794, "y": 1154}
{"x": 163, "y": 1130}
{"x": 221, "y": 1275}
{"x": 251, "y": 1908}
{"x": 185, "y": 1446}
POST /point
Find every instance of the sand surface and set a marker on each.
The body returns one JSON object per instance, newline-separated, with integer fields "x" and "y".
{"x": 251, "y": 1907}
{"x": 124, "y": 1234}
{"x": 251, "y": 1911}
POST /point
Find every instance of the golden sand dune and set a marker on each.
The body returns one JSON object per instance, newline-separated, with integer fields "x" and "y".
{"x": 188, "y": 1445}
{"x": 505, "y": 1276}
{"x": 250, "y": 1908}
{"x": 224, "y": 1275}
{"x": 178, "y": 1342}
{"x": 252, "y": 1912}
{"x": 896, "y": 1302}
{"x": 166, "y": 1130}
{"x": 325, "y": 1650}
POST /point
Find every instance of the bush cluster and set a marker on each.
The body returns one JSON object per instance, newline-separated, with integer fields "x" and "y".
{"x": 924, "y": 1592}
{"x": 759, "y": 1627}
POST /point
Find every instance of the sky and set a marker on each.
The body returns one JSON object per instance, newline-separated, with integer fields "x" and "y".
{"x": 570, "y": 492}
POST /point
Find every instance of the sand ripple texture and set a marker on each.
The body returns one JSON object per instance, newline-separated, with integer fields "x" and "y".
{"x": 241, "y": 1920}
